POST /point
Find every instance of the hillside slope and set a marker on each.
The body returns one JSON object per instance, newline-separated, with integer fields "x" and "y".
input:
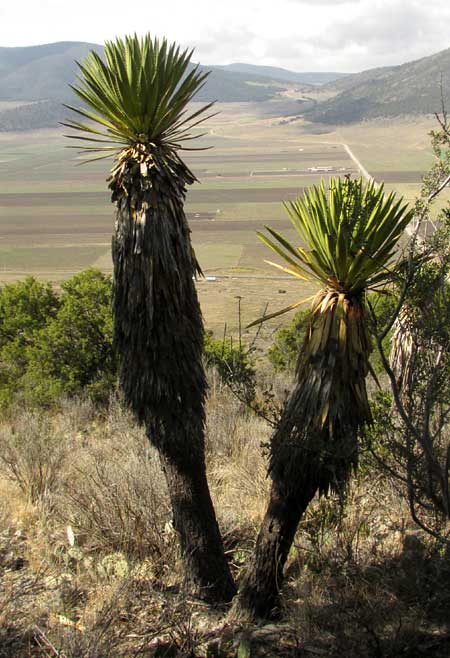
{"x": 411, "y": 88}
{"x": 40, "y": 72}
{"x": 276, "y": 73}
{"x": 43, "y": 73}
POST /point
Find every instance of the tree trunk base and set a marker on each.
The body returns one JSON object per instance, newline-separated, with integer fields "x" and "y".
{"x": 258, "y": 597}
{"x": 207, "y": 569}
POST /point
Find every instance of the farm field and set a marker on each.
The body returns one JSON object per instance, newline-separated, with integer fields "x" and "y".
{"x": 56, "y": 217}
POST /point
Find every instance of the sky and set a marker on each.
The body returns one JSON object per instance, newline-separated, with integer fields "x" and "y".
{"x": 302, "y": 35}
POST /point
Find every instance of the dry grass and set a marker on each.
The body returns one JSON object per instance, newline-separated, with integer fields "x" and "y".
{"x": 89, "y": 566}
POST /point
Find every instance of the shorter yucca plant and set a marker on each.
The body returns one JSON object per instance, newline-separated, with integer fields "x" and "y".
{"x": 349, "y": 235}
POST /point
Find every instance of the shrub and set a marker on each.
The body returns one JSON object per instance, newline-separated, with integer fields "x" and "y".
{"x": 288, "y": 343}
{"x": 32, "y": 453}
{"x": 25, "y": 308}
{"x": 115, "y": 498}
{"x": 54, "y": 345}
{"x": 233, "y": 363}
{"x": 73, "y": 352}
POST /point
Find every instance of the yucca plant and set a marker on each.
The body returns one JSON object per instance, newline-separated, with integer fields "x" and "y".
{"x": 135, "y": 101}
{"x": 349, "y": 233}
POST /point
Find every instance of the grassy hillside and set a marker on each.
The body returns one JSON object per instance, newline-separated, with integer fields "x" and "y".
{"x": 276, "y": 73}
{"x": 44, "y": 73}
{"x": 40, "y": 72}
{"x": 412, "y": 88}
{"x": 38, "y": 114}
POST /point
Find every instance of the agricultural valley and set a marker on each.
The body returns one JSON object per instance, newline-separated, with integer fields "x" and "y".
{"x": 90, "y": 563}
{"x": 56, "y": 217}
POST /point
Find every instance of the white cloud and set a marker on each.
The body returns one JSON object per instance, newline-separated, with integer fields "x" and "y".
{"x": 346, "y": 35}
{"x": 324, "y": 2}
{"x": 382, "y": 32}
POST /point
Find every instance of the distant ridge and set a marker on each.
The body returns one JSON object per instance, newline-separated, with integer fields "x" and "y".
{"x": 411, "y": 88}
{"x": 39, "y": 114}
{"x": 39, "y": 77}
{"x": 276, "y": 73}
{"x": 43, "y": 73}
{"x": 40, "y": 72}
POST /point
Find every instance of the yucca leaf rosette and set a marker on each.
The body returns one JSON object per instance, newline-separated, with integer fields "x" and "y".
{"x": 137, "y": 97}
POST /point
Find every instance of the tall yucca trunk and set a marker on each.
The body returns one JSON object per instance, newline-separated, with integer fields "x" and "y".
{"x": 314, "y": 447}
{"x": 158, "y": 334}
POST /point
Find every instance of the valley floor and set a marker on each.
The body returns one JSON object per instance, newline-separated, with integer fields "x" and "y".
{"x": 56, "y": 218}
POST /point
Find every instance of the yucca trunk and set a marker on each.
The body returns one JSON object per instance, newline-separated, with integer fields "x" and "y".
{"x": 404, "y": 351}
{"x": 158, "y": 335}
{"x": 315, "y": 446}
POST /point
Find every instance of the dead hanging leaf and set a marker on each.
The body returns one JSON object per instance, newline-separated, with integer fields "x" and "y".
{"x": 316, "y": 651}
{"x": 70, "y": 535}
{"x": 65, "y": 621}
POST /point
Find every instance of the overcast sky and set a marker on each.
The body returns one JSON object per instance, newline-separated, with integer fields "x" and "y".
{"x": 303, "y": 35}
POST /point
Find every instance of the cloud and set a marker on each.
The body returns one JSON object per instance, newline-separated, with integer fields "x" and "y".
{"x": 324, "y": 2}
{"x": 305, "y": 35}
{"x": 383, "y": 33}
{"x": 377, "y": 30}
{"x": 224, "y": 45}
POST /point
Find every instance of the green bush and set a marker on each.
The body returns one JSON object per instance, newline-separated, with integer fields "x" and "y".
{"x": 288, "y": 343}
{"x": 383, "y": 308}
{"x": 73, "y": 352}
{"x": 25, "y": 309}
{"x": 53, "y": 345}
{"x": 233, "y": 362}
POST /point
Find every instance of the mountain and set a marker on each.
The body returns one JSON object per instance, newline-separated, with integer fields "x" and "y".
{"x": 44, "y": 73}
{"x": 411, "y": 88}
{"x": 40, "y": 72}
{"x": 275, "y": 73}
{"x": 40, "y": 77}
{"x": 28, "y": 116}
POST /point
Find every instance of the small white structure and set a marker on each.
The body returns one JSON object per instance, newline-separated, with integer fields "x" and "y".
{"x": 321, "y": 169}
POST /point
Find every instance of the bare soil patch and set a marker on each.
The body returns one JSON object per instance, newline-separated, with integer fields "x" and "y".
{"x": 244, "y": 195}
{"x": 56, "y": 225}
{"x": 398, "y": 176}
{"x": 301, "y": 156}
{"x": 31, "y": 199}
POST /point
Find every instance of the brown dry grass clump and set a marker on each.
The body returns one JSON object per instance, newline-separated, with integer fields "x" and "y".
{"x": 89, "y": 566}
